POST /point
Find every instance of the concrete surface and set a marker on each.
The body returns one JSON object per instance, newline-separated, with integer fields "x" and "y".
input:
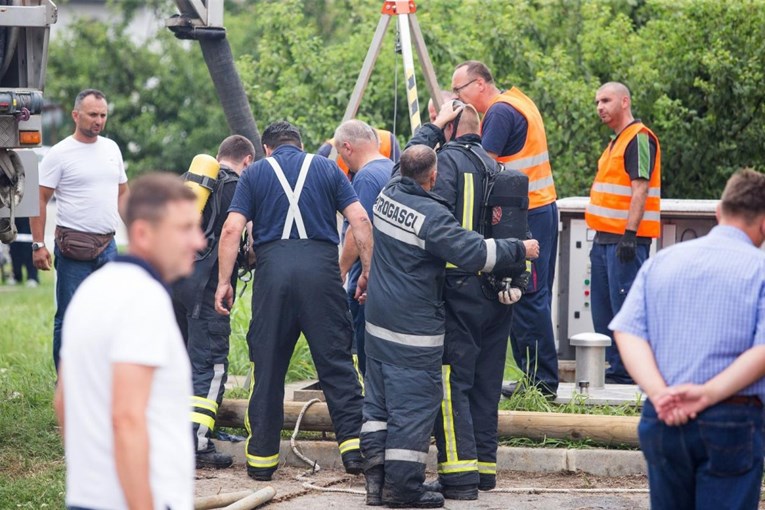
{"x": 595, "y": 461}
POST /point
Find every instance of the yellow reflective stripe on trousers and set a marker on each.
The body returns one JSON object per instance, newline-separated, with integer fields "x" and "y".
{"x": 262, "y": 462}
{"x": 448, "y": 416}
{"x": 468, "y": 199}
{"x": 203, "y": 419}
{"x": 487, "y": 468}
{"x": 350, "y": 444}
{"x": 460, "y": 466}
{"x": 205, "y": 403}
{"x": 358, "y": 372}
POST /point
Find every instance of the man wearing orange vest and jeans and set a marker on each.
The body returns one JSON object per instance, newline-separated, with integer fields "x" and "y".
{"x": 624, "y": 211}
{"x": 513, "y": 133}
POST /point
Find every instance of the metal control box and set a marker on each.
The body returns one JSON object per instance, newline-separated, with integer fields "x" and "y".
{"x": 681, "y": 220}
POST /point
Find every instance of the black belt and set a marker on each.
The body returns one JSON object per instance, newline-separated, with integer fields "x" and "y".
{"x": 743, "y": 400}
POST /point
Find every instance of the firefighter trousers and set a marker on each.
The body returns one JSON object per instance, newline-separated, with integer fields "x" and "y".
{"x": 206, "y": 334}
{"x": 297, "y": 288}
{"x": 400, "y": 405}
{"x": 475, "y": 346}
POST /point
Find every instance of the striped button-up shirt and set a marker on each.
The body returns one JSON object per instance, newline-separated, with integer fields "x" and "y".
{"x": 699, "y": 304}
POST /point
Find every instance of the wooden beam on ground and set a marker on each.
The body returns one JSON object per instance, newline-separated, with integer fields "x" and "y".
{"x": 605, "y": 430}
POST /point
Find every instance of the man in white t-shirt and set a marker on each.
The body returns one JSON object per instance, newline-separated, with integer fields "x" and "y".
{"x": 87, "y": 174}
{"x": 125, "y": 379}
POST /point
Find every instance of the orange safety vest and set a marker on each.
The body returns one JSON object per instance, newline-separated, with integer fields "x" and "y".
{"x": 533, "y": 159}
{"x": 611, "y": 192}
{"x": 386, "y": 148}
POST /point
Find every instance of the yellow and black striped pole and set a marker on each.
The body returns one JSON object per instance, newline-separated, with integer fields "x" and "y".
{"x": 411, "y": 82}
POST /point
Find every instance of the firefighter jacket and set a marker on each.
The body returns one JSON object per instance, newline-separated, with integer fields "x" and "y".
{"x": 533, "y": 159}
{"x": 415, "y": 234}
{"x": 611, "y": 191}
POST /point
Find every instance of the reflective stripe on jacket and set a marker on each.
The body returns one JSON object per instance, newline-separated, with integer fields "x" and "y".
{"x": 533, "y": 159}
{"x": 611, "y": 192}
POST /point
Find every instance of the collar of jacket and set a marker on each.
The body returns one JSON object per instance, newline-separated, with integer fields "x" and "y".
{"x": 469, "y": 138}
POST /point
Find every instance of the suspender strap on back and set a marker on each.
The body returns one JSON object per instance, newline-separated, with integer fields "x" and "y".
{"x": 293, "y": 196}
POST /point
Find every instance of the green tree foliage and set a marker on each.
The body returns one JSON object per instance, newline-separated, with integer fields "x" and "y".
{"x": 695, "y": 68}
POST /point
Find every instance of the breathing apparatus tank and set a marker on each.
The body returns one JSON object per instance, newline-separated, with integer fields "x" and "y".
{"x": 507, "y": 210}
{"x": 201, "y": 177}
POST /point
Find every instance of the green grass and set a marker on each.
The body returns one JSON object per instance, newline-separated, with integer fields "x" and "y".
{"x": 31, "y": 452}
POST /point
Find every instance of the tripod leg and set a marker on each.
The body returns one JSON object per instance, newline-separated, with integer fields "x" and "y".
{"x": 427, "y": 66}
{"x": 366, "y": 69}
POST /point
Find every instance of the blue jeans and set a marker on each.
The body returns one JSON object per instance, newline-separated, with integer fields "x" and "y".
{"x": 531, "y": 331}
{"x": 611, "y": 281}
{"x": 70, "y": 274}
{"x": 712, "y": 462}
{"x": 359, "y": 319}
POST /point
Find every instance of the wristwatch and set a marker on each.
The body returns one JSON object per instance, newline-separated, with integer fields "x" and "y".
{"x": 37, "y": 245}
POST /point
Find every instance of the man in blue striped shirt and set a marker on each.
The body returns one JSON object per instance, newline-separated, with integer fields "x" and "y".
{"x": 692, "y": 335}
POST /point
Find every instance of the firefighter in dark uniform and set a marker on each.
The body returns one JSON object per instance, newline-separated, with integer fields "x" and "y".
{"x": 292, "y": 199}
{"x": 415, "y": 234}
{"x": 206, "y": 332}
{"x": 477, "y": 318}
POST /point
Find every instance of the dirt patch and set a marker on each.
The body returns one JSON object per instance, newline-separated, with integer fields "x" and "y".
{"x": 289, "y": 483}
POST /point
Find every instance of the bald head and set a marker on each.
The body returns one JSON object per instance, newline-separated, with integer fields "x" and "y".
{"x": 614, "y": 104}
{"x": 418, "y": 162}
{"x": 617, "y": 88}
{"x": 357, "y": 143}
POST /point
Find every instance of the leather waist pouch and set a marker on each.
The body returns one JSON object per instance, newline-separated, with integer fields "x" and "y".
{"x": 83, "y": 246}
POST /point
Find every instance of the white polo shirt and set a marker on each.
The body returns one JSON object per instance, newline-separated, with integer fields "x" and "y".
{"x": 122, "y": 314}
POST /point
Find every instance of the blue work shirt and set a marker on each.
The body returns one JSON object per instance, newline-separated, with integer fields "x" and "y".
{"x": 260, "y": 198}
{"x": 700, "y": 304}
{"x": 504, "y": 130}
{"x": 368, "y": 183}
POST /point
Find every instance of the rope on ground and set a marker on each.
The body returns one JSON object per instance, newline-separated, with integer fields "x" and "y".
{"x": 314, "y": 465}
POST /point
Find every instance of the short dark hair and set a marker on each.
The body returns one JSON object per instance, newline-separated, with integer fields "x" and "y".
{"x": 280, "y": 133}
{"x": 150, "y": 194}
{"x": 477, "y": 69}
{"x": 417, "y": 162}
{"x": 235, "y": 148}
{"x": 85, "y": 93}
{"x": 744, "y": 195}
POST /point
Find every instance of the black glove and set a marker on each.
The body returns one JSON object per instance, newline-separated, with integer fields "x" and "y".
{"x": 625, "y": 250}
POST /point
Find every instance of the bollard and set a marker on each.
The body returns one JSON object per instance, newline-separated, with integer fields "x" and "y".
{"x": 591, "y": 358}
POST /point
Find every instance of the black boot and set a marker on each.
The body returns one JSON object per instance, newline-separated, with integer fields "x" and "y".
{"x": 487, "y": 482}
{"x": 260, "y": 474}
{"x": 427, "y": 499}
{"x": 458, "y": 492}
{"x": 375, "y": 476}
{"x": 353, "y": 462}
{"x": 211, "y": 458}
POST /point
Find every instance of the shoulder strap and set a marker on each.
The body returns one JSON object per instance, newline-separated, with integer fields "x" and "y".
{"x": 293, "y": 196}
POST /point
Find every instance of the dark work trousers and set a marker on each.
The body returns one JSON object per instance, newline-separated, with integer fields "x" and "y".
{"x": 357, "y": 313}
{"x": 297, "y": 288}
{"x": 473, "y": 365}
{"x": 21, "y": 254}
{"x": 532, "y": 333}
{"x": 206, "y": 334}
{"x": 611, "y": 282}
{"x": 400, "y": 406}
